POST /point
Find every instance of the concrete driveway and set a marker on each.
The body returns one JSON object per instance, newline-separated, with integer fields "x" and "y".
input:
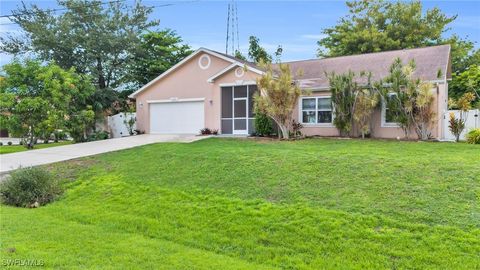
{"x": 9, "y": 162}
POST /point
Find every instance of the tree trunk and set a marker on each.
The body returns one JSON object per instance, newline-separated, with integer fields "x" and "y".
{"x": 32, "y": 137}
{"x": 284, "y": 130}
{"x": 101, "y": 78}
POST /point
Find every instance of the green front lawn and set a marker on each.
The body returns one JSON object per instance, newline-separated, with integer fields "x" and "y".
{"x": 245, "y": 204}
{"x": 7, "y": 149}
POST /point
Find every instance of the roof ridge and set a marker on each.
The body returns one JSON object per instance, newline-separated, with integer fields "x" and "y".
{"x": 362, "y": 54}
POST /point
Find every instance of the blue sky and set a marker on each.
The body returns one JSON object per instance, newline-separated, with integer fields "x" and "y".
{"x": 293, "y": 24}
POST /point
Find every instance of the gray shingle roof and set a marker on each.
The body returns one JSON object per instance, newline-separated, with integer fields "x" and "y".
{"x": 429, "y": 61}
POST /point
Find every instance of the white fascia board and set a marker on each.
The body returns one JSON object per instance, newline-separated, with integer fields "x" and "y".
{"x": 218, "y": 74}
{"x": 170, "y": 70}
{"x": 223, "y": 71}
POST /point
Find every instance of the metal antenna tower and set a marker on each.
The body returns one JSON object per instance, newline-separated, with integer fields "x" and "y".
{"x": 232, "y": 29}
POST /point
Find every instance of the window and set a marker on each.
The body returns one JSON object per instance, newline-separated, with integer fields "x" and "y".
{"x": 316, "y": 110}
{"x": 388, "y": 115}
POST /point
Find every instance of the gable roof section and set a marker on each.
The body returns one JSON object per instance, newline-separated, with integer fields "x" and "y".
{"x": 225, "y": 70}
{"x": 429, "y": 61}
{"x": 228, "y": 58}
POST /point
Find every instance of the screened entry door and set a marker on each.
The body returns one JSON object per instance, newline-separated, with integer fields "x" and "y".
{"x": 240, "y": 116}
{"x": 237, "y": 109}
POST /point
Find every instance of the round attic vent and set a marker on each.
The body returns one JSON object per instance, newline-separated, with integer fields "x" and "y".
{"x": 204, "y": 61}
{"x": 239, "y": 72}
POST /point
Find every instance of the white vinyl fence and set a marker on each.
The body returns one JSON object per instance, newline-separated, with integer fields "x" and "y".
{"x": 117, "y": 126}
{"x": 472, "y": 121}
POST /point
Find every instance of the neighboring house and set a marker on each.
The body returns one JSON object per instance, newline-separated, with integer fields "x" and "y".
{"x": 214, "y": 90}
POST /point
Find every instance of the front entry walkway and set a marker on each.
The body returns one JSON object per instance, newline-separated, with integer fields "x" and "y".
{"x": 10, "y": 162}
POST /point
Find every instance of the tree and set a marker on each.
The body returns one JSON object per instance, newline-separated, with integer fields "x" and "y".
{"x": 278, "y": 96}
{"x": 374, "y": 26}
{"x": 343, "y": 88}
{"x": 37, "y": 99}
{"x": 156, "y": 53}
{"x": 457, "y": 125}
{"x": 256, "y": 52}
{"x": 467, "y": 81}
{"x": 239, "y": 55}
{"x": 352, "y": 103}
{"x": 96, "y": 39}
{"x": 463, "y": 53}
{"x": 409, "y": 99}
{"x": 366, "y": 101}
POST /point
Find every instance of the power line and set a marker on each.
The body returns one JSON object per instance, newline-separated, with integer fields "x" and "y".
{"x": 57, "y": 9}
{"x": 103, "y": 3}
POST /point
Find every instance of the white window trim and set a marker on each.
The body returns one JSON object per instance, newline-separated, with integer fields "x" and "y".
{"x": 207, "y": 65}
{"x": 300, "y": 112}
{"x": 384, "y": 124}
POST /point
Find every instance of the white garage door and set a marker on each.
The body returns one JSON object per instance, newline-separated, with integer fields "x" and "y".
{"x": 177, "y": 117}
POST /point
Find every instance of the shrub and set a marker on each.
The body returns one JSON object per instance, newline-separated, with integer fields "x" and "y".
{"x": 59, "y": 135}
{"x": 214, "y": 131}
{"x": 473, "y": 136}
{"x": 205, "y": 131}
{"x": 97, "y": 136}
{"x": 29, "y": 187}
{"x": 9, "y": 143}
{"x": 1, "y": 143}
{"x": 263, "y": 124}
{"x": 296, "y": 129}
{"x": 456, "y": 126}
{"x": 102, "y": 135}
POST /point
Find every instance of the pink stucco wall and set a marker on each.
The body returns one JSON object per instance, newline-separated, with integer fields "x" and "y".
{"x": 190, "y": 81}
{"x": 187, "y": 81}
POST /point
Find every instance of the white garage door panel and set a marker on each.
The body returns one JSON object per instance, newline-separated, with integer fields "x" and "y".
{"x": 177, "y": 117}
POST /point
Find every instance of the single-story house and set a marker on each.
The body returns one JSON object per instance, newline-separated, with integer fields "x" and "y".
{"x": 215, "y": 90}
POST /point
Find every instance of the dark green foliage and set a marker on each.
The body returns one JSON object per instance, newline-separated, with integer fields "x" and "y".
{"x": 97, "y": 136}
{"x": 465, "y": 81}
{"x": 29, "y": 187}
{"x": 9, "y": 143}
{"x": 373, "y": 26}
{"x": 157, "y": 52}
{"x": 263, "y": 124}
{"x": 473, "y": 136}
{"x": 37, "y": 99}
{"x": 95, "y": 38}
{"x": 239, "y": 55}
{"x": 256, "y": 52}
